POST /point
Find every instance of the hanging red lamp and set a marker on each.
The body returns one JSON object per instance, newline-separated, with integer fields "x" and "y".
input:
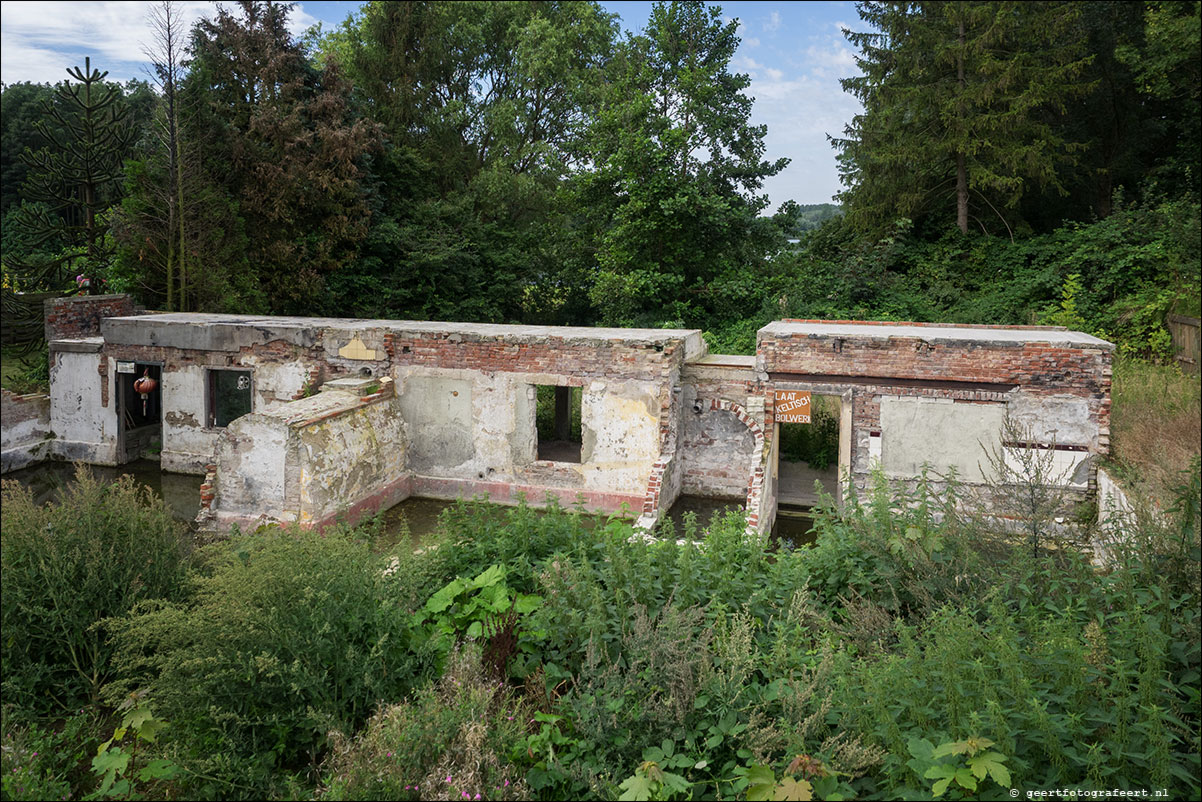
{"x": 144, "y": 387}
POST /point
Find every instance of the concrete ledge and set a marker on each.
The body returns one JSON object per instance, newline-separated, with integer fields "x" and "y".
{"x": 81, "y": 451}
{"x": 507, "y": 494}
{"x": 24, "y": 455}
{"x": 85, "y": 345}
{"x": 184, "y": 462}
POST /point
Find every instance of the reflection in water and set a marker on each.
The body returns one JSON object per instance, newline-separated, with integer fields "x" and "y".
{"x": 415, "y": 519}
{"x": 703, "y": 508}
{"x": 794, "y": 526}
{"x": 181, "y": 492}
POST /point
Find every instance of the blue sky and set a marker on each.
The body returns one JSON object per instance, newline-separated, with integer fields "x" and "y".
{"x": 793, "y": 52}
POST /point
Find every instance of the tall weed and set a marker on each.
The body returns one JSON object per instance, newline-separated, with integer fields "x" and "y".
{"x": 289, "y": 634}
{"x": 69, "y": 567}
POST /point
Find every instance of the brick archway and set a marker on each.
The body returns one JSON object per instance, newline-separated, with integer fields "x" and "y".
{"x": 755, "y": 482}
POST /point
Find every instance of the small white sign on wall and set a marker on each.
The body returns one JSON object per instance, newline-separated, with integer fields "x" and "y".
{"x": 125, "y": 367}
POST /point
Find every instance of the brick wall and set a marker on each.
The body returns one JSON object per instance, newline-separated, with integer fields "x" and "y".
{"x": 578, "y": 360}
{"x": 79, "y": 316}
{"x": 1031, "y": 365}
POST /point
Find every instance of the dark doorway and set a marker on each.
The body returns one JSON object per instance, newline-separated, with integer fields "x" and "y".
{"x": 139, "y": 415}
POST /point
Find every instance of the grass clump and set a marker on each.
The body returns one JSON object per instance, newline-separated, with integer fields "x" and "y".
{"x": 1156, "y": 424}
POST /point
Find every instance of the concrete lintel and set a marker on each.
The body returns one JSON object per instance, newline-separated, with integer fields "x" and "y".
{"x": 84, "y": 345}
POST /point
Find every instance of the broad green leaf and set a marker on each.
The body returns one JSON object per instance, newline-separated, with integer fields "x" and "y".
{"x": 761, "y": 783}
{"x": 674, "y": 782}
{"x": 527, "y": 603}
{"x": 636, "y": 788}
{"x": 445, "y": 597}
{"x": 991, "y": 763}
{"x": 791, "y": 790}
{"x": 966, "y": 780}
{"x": 474, "y": 629}
{"x": 158, "y": 770}
{"x": 490, "y": 576}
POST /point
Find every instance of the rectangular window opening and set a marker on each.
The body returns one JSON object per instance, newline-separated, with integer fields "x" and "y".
{"x": 557, "y": 420}
{"x": 229, "y": 394}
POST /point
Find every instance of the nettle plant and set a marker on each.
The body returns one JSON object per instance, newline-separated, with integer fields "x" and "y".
{"x": 965, "y": 764}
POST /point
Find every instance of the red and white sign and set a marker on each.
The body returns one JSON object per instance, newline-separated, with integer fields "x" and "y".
{"x": 792, "y": 406}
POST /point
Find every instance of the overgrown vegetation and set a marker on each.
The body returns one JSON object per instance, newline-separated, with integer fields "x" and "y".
{"x": 911, "y": 649}
{"x": 68, "y": 570}
{"x": 1156, "y": 424}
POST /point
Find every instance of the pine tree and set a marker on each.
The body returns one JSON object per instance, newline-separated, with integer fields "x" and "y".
{"x": 78, "y": 174}
{"x": 959, "y": 105}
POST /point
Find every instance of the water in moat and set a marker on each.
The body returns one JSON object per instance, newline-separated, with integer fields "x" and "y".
{"x": 180, "y": 491}
{"x": 792, "y": 525}
{"x": 416, "y": 518}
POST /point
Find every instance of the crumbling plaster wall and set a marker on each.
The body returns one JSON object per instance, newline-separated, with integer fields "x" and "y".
{"x": 82, "y": 414}
{"x": 25, "y": 433}
{"x": 310, "y": 461}
{"x": 940, "y": 395}
{"x": 479, "y": 427}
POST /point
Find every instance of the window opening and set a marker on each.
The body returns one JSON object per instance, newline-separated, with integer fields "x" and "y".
{"x": 229, "y": 396}
{"x": 558, "y": 422}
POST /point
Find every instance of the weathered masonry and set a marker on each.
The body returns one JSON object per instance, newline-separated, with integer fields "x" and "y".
{"x": 306, "y": 419}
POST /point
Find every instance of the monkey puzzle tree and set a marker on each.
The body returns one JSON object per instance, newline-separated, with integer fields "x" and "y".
{"x": 71, "y": 183}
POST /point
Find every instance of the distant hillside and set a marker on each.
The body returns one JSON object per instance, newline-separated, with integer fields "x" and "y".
{"x": 814, "y": 214}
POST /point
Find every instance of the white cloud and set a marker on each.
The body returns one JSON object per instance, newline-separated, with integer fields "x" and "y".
{"x": 42, "y": 39}
{"x": 773, "y": 22}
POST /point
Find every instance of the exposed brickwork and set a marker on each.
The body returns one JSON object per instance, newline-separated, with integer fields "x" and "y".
{"x": 577, "y": 360}
{"x": 77, "y": 317}
{"x": 1032, "y": 365}
{"x": 985, "y": 326}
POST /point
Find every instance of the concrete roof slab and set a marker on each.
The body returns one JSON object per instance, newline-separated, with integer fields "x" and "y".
{"x": 933, "y": 332}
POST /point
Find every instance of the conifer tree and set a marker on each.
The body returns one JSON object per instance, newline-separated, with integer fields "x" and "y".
{"x": 70, "y": 185}
{"x": 959, "y": 102}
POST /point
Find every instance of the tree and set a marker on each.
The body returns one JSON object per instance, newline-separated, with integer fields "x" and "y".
{"x": 481, "y": 105}
{"x": 71, "y": 183}
{"x": 958, "y": 104}
{"x": 279, "y": 146}
{"x": 78, "y": 174}
{"x": 1168, "y": 71}
{"x": 22, "y": 103}
{"x": 674, "y": 167}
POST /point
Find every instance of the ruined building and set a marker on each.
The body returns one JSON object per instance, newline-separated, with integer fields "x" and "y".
{"x": 305, "y": 419}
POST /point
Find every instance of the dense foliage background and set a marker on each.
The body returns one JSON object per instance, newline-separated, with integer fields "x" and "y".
{"x": 526, "y": 162}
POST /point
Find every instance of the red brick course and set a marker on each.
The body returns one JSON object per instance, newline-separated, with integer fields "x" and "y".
{"x": 79, "y": 316}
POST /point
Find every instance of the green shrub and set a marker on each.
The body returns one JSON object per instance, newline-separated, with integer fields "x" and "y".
{"x": 1069, "y": 701}
{"x": 40, "y": 762}
{"x": 451, "y": 741}
{"x": 69, "y": 566}
{"x": 288, "y": 635}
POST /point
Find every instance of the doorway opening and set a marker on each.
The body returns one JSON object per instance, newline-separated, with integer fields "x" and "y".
{"x": 139, "y": 414}
{"x": 812, "y": 459}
